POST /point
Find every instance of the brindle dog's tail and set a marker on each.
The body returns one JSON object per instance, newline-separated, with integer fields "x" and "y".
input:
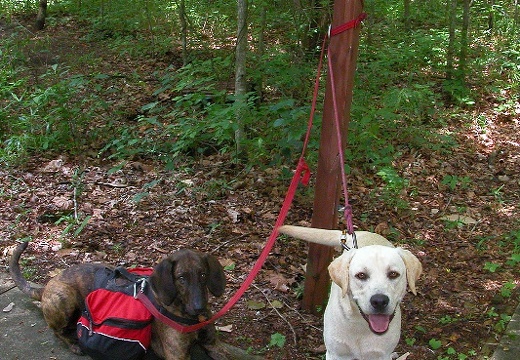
{"x": 16, "y": 274}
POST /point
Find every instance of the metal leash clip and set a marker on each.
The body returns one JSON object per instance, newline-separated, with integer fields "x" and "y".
{"x": 142, "y": 283}
{"x": 343, "y": 240}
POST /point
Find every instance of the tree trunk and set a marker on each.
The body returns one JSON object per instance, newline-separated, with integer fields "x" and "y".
{"x": 311, "y": 16}
{"x": 516, "y": 15}
{"x": 450, "y": 53}
{"x": 184, "y": 31}
{"x": 42, "y": 14}
{"x": 464, "y": 42}
{"x": 406, "y": 15}
{"x": 263, "y": 25}
{"x": 298, "y": 21}
{"x": 258, "y": 81}
{"x": 343, "y": 49}
{"x": 491, "y": 15}
{"x": 313, "y": 34}
{"x": 240, "y": 72}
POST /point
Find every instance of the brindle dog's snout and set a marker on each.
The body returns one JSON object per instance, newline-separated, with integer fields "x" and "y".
{"x": 379, "y": 302}
{"x": 197, "y": 303}
{"x": 199, "y": 310}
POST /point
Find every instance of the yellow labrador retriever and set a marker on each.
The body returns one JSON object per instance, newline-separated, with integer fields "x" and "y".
{"x": 362, "y": 320}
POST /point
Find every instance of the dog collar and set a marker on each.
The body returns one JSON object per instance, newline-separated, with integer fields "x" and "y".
{"x": 164, "y": 312}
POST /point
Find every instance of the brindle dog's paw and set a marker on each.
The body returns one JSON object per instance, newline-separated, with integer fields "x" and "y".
{"x": 76, "y": 349}
{"x": 208, "y": 334}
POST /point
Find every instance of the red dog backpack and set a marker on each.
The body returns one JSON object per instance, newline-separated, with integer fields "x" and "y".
{"x": 115, "y": 325}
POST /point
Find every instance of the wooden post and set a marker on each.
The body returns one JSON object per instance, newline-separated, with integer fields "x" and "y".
{"x": 343, "y": 49}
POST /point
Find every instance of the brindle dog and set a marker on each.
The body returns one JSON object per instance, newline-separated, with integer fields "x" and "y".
{"x": 179, "y": 283}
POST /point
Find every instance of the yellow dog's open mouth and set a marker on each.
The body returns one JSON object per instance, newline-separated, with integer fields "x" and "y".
{"x": 378, "y": 323}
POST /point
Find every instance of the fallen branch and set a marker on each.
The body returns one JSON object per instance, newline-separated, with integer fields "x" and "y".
{"x": 114, "y": 185}
{"x": 224, "y": 351}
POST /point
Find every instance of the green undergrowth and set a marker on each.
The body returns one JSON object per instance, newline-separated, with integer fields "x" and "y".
{"x": 401, "y": 98}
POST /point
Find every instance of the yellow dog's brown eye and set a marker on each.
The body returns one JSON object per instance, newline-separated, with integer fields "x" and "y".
{"x": 393, "y": 275}
{"x": 362, "y": 276}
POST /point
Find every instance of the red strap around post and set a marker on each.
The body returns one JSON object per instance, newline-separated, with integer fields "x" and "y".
{"x": 348, "y": 25}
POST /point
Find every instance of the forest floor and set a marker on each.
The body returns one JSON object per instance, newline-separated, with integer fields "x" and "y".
{"x": 463, "y": 231}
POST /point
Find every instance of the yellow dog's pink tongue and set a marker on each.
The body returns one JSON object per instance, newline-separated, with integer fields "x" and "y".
{"x": 379, "y": 323}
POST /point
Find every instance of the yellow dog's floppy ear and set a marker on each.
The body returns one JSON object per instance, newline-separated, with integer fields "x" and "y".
{"x": 339, "y": 269}
{"x": 413, "y": 268}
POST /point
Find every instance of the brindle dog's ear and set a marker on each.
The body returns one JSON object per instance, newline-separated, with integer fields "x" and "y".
{"x": 162, "y": 282}
{"x": 217, "y": 278}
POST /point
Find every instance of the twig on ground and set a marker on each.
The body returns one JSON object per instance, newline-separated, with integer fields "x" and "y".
{"x": 279, "y": 314}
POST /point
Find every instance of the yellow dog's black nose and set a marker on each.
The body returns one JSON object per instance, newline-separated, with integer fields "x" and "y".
{"x": 379, "y": 302}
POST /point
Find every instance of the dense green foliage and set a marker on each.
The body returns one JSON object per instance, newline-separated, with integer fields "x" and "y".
{"x": 401, "y": 92}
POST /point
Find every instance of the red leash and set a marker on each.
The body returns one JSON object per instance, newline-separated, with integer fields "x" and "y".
{"x": 302, "y": 174}
{"x": 333, "y": 32}
{"x": 348, "y": 208}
